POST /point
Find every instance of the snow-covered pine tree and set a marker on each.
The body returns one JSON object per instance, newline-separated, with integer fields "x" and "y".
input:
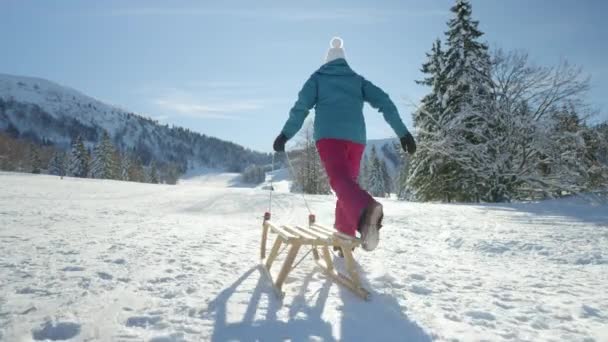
{"x": 136, "y": 171}
{"x": 427, "y": 119}
{"x": 364, "y": 173}
{"x": 310, "y": 175}
{"x": 461, "y": 85}
{"x": 170, "y": 174}
{"x": 58, "y": 164}
{"x": 125, "y": 166}
{"x": 36, "y": 163}
{"x": 467, "y": 63}
{"x": 386, "y": 178}
{"x": 400, "y": 183}
{"x": 469, "y": 87}
{"x": 254, "y": 174}
{"x": 425, "y": 178}
{"x": 104, "y": 165}
{"x": 596, "y": 139}
{"x": 79, "y": 159}
{"x": 152, "y": 174}
{"x": 376, "y": 181}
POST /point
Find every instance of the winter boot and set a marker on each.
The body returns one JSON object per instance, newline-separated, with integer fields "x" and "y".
{"x": 369, "y": 226}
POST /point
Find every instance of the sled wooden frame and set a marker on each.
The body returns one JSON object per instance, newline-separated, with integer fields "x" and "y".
{"x": 318, "y": 238}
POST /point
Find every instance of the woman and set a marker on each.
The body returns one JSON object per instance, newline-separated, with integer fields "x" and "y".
{"x": 338, "y": 93}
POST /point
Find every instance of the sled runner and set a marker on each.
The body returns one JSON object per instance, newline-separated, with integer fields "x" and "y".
{"x": 319, "y": 239}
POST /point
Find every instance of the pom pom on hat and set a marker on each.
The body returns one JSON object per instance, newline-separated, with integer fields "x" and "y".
{"x": 335, "y": 51}
{"x": 336, "y": 42}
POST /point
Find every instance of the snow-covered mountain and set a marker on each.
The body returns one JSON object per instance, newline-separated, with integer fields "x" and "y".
{"x": 385, "y": 149}
{"x": 44, "y": 111}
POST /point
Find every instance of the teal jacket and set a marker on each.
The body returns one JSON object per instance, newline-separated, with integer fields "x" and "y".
{"x": 337, "y": 93}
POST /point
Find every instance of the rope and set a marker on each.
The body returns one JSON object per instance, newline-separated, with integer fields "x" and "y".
{"x": 271, "y": 185}
{"x": 302, "y": 258}
{"x": 293, "y": 172}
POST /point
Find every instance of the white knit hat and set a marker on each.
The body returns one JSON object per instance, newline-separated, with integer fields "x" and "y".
{"x": 335, "y": 50}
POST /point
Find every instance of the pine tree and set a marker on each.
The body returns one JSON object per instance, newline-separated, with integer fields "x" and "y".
{"x": 423, "y": 174}
{"x": 364, "y": 173}
{"x": 79, "y": 159}
{"x": 376, "y": 180}
{"x": 153, "y": 174}
{"x": 125, "y": 166}
{"x": 36, "y": 163}
{"x": 58, "y": 164}
{"x": 461, "y": 84}
{"x": 136, "y": 171}
{"x": 310, "y": 176}
{"x": 427, "y": 118}
{"x": 104, "y": 163}
{"x": 467, "y": 63}
{"x": 385, "y": 177}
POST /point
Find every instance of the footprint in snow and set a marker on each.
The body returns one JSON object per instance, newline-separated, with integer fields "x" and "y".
{"x": 503, "y": 305}
{"x": 417, "y": 276}
{"x": 589, "y": 311}
{"x": 72, "y": 269}
{"x": 58, "y": 331}
{"x": 482, "y": 315}
{"x": 105, "y": 276}
{"x": 143, "y": 321}
{"x": 420, "y": 290}
{"x": 119, "y": 261}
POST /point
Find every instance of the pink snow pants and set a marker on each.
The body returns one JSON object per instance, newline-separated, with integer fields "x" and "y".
{"x": 341, "y": 159}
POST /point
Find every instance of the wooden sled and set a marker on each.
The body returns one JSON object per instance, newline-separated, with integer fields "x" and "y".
{"x": 318, "y": 238}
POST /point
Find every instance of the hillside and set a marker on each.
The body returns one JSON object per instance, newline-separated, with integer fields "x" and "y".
{"x": 45, "y": 112}
{"x": 112, "y": 261}
{"x": 386, "y": 151}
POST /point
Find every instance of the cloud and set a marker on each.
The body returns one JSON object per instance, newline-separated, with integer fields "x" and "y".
{"x": 208, "y": 99}
{"x": 285, "y": 14}
{"x": 219, "y": 110}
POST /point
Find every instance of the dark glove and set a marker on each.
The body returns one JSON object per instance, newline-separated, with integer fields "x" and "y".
{"x": 279, "y": 143}
{"x": 408, "y": 143}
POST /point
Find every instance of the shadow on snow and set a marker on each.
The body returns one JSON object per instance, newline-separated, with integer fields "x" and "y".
{"x": 380, "y": 319}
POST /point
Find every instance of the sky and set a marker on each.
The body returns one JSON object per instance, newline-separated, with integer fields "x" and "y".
{"x": 232, "y": 69}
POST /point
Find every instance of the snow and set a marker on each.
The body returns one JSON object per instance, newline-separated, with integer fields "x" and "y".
{"x": 86, "y": 259}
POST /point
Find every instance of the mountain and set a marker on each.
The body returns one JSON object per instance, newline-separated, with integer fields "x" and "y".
{"x": 45, "y": 112}
{"x": 385, "y": 149}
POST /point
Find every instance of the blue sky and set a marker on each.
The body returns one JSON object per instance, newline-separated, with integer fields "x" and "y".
{"x": 232, "y": 69}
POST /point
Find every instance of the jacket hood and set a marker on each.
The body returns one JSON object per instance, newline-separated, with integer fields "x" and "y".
{"x": 337, "y": 67}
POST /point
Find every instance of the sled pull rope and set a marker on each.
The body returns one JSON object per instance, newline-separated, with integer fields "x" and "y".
{"x": 302, "y": 258}
{"x": 271, "y": 185}
{"x": 293, "y": 172}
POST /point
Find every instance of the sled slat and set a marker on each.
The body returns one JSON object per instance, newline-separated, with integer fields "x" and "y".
{"x": 323, "y": 236}
{"x": 283, "y": 233}
{"x": 302, "y": 234}
{"x": 325, "y": 229}
{"x": 340, "y": 235}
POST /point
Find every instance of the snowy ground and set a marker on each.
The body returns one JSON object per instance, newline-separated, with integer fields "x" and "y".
{"x": 103, "y": 260}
